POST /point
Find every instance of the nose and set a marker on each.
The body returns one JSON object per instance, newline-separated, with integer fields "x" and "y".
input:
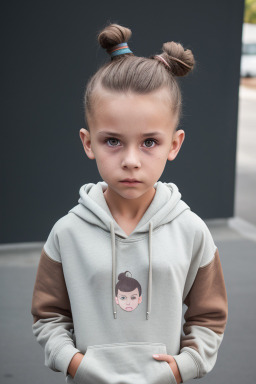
{"x": 131, "y": 159}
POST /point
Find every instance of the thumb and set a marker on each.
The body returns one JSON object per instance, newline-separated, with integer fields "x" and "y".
{"x": 160, "y": 356}
{"x": 163, "y": 356}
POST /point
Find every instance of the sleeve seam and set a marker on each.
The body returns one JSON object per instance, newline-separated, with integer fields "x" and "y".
{"x": 210, "y": 262}
{"x": 51, "y": 259}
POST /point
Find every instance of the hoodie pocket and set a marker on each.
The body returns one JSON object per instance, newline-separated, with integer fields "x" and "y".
{"x": 124, "y": 363}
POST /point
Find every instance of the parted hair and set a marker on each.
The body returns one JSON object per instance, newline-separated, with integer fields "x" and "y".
{"x": 141, "y": 75}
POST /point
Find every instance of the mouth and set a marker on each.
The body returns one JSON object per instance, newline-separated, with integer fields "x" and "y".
{"x": 130, "y": 181}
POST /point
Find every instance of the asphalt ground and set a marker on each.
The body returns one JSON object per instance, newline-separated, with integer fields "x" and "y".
{"x": 22, "y": 358}
{"x": 245, "y": 188}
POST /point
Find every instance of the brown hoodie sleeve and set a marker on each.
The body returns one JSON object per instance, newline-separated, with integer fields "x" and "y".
{"x": 52, "y": 317}
{"x": 50, "y": 296}
{"x": 205, "y": 321}
{"x": 207, "y": 300}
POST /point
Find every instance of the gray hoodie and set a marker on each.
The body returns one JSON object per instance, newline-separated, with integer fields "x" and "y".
{"x": 118, "y": 298}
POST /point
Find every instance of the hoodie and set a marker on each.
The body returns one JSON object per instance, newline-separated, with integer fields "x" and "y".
{"x": 118, "y": 298}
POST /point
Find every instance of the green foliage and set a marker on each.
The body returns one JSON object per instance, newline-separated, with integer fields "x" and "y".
{"x": 250, "y": 11}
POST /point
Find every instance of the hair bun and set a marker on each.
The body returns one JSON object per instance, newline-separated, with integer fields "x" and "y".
{"x": 180, "y": 60}
{"x": 123, "y": 275}
{"x": 112, "y": 35}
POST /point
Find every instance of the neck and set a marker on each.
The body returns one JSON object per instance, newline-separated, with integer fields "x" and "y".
{"x": 130, "y": 209}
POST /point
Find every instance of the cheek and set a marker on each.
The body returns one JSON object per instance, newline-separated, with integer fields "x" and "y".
{"x": 160, "y": 157}
{"x": 105, "y": 155}
{"x": 103, "y": 168}
{"x": 159, "y": 160}
{"x": 161, "y": 152}
{"x": 103, "y": 160}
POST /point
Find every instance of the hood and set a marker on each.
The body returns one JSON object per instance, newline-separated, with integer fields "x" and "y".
{"x": 165, "y": 207}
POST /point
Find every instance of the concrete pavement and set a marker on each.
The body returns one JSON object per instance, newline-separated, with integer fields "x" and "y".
{"x": 245, "y": 189}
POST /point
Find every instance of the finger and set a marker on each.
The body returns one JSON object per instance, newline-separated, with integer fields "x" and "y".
{"x": 163, "y": 356}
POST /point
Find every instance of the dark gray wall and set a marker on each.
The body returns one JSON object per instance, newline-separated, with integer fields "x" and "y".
{"x": 48, "y": 53}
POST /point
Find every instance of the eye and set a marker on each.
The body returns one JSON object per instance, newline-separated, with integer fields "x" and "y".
{"x": 112, "y": 142}
{"x": 149, "y": 143}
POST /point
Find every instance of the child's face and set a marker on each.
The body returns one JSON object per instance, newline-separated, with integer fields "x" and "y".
{"x": 128, "y": 300}
{"x": 132, "y": 136}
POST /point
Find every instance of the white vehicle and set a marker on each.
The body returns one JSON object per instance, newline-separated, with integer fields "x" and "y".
{"x": 248, "y": 58}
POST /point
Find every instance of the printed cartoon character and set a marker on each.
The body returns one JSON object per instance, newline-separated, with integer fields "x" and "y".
{"x": 128, "y": 292}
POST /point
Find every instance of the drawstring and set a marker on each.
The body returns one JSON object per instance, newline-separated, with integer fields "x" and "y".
{"x": 149, "y": 269}
{"x": 114, "y": 269}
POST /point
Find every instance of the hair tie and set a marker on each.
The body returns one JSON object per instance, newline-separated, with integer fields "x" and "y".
{"x": 119, "y": 49}
{"x": 160, "y": 58}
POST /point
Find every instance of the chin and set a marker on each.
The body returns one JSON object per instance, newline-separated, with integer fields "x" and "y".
{"x": 130, "y": 196}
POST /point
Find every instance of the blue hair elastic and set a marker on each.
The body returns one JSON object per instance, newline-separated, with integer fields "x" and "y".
{"x": 119, "y": 49}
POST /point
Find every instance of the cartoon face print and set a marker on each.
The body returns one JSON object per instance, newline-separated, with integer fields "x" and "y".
{"x": 128, "y": 300}
{"x": 128, "y": 292}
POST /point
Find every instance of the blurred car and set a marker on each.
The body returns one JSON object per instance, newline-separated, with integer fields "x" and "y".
{"x": 248, "y": 58}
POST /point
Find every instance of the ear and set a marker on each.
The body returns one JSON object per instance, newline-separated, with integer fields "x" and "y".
{"x": 85, "y": 137}
{"x": 177, "y": 141}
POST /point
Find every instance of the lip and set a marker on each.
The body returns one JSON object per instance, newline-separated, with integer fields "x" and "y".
{"x": 130, "y": 181}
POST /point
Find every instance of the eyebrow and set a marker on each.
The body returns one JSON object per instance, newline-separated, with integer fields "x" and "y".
{"x": 120, "y": 135}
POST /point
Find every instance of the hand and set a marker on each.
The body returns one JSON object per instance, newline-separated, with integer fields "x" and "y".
{"x": 74, "y": 364}
{"x": 172, "y": 363}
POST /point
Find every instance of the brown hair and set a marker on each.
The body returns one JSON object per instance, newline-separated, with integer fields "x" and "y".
{"x": 127, "y": 283}
{"x": 142, "y": 75}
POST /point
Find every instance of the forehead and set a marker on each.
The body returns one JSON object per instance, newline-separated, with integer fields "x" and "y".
{"x": 151, "y": 109}
{"x": 130, "y": 293}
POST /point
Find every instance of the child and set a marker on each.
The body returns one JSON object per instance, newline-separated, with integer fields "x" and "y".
{"x": 131, "y": 224}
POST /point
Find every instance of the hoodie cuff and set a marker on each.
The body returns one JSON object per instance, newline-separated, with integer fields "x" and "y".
{"x": 187, "y": 366}
{"x": 64, "y": 357}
